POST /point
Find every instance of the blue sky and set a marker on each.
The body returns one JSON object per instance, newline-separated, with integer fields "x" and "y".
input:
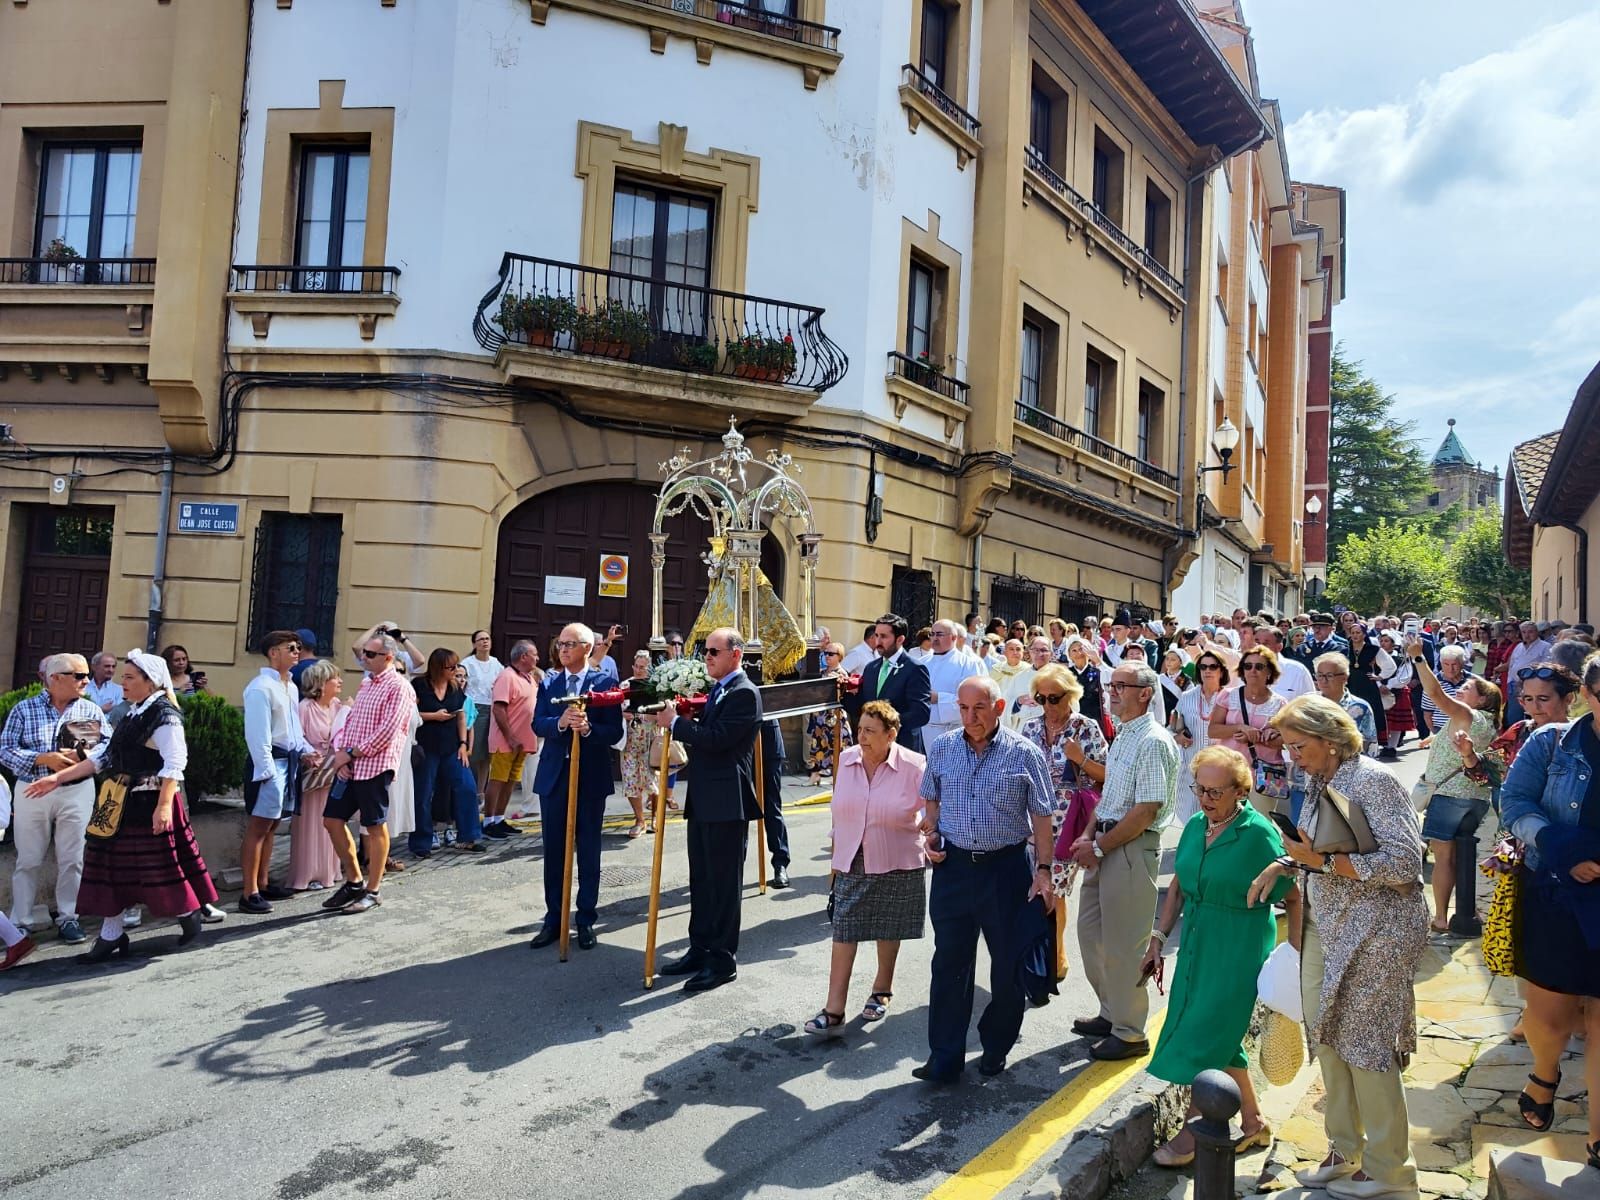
{"x": 1467, "y": 135}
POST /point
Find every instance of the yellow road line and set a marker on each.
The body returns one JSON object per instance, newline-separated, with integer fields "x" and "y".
{"x": 528, "y": 824}
{"x": 999, "y": 1164}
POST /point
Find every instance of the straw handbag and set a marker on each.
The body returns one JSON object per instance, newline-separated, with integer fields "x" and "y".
{"x": 1283, "y": 1049}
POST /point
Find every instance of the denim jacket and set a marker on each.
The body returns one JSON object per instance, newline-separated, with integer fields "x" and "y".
{"x": 1546, "y": 784}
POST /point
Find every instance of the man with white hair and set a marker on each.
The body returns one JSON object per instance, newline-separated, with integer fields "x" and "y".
{"x": 1121, "y": 854}
{"x": 46, "y": 733}
{"x": 103, "y": 689}
{"x": 598, "y": 730}
{"x": 947, "y": 667}
{"x": 1453, "y": 673}
{"x": 986, "y": 794}
{"x": 1530, "y": 651}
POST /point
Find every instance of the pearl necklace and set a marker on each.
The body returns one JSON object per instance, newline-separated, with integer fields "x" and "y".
{"x": 1213, "y": 830}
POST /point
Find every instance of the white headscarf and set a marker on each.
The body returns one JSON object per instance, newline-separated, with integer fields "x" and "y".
{"x": 154, "y": 668}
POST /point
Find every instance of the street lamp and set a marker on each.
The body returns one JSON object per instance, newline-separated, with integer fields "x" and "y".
{"x": 1313, "y": 508}
{"x": 1224, "y": 440}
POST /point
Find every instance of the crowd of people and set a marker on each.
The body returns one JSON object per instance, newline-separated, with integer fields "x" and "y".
{"x": 1019, "y": 764}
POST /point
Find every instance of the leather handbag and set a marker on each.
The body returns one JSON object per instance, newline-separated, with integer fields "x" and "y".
{"x": 106, "y": 817}
{"x": 1341, "y": 826}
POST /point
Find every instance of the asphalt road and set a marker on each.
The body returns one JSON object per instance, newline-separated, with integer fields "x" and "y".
{"x": 422, "y": 1050}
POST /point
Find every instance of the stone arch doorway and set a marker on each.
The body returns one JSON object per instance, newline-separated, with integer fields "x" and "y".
{"x": 564, "y": 533}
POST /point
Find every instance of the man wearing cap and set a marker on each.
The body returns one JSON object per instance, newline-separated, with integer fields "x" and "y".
{"x": 1124, "y": 633}
{"x": 308, "y": 654}
{"x": 1323, "y": 640}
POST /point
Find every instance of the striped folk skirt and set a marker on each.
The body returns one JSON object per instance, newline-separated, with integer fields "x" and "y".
{"x": 162, "y": 871}
{"x": 891, "y": 907}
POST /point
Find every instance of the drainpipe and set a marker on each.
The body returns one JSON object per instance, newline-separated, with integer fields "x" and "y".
{"x": 158, "y": 581}
{"x": 1582, "y": 534}
{"x": 977, "y": 573}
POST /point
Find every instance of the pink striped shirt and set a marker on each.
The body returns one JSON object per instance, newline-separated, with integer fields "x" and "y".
{"x": 879, "y": 817}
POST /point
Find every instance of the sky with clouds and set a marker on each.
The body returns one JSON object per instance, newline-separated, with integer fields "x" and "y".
{"x": 1467, "y": 136}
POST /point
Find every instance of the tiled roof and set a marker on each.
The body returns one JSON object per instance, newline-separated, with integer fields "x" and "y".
{"x": 1529, "y": 461}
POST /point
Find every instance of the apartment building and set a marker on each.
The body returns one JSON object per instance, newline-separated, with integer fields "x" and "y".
{"x": 430, "y": 306}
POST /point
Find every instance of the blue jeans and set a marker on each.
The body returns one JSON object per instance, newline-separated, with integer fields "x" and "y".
{"x": 469, "y": 825}
{"x": 438, "y": 771}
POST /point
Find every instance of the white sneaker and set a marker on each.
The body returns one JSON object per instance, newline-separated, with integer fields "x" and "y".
{"x": 1322, "y": 1175}
{"x": 132, "y": 918}
{"x": 1361, "y": 1189}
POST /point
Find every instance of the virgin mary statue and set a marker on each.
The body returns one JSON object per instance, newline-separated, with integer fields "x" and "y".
{"x": 782, "y": 643}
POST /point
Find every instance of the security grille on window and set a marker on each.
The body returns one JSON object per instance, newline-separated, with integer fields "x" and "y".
{"x": 1016, "y": 598}
{"x": 295, "y": 580}
{"x": 913, "y": 595}
{"x": 1076, "y": 604}
{"x": 1142, "y": 614}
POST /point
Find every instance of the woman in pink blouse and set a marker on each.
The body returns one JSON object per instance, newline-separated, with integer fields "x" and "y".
{"x": 878, "y": 889}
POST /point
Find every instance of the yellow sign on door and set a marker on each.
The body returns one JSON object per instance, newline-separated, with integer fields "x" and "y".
{"x": 614, "y": 575}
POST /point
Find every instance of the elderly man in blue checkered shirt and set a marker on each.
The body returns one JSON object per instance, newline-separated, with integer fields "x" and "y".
{"x": 49, "y": 732}
{"x": 1121, "y": 853}
{"x": 986, "y": 792}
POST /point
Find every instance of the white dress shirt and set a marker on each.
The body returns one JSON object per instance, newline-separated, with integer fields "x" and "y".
{"x": 858, "y": 660}
{"x": 1524, "y": 655}
{"x": 1293, "y": 678}
{"x": 945, "y": 674}
{"x": 271, "y": 718}
{"x": 107, "y": 695}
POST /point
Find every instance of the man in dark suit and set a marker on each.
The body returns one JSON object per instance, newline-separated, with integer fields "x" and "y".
{"x": 896, "y": 679}
{"x": 598, "y": 730}
{"x": 772, "y": 802}
{"x": 720, "y": 806}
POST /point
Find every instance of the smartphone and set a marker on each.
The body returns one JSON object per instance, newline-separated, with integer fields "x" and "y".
{"x": 1413, "y": 627}
{"x": 1286, "y": 825}
{"x": 622, "y": 630}
{"x": 338, "y": 788}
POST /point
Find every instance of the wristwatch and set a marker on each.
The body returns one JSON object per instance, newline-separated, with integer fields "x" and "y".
{"x": 353, "y": 751}
{"x": 1417, "y": 658}
{"x": 1327, "y": 862}
{"x": 1098, "y": 853}
{"x": 1045, "y": 867}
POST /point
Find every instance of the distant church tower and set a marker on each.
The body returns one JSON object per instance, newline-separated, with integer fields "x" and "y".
{"x": 1459, "y": 479}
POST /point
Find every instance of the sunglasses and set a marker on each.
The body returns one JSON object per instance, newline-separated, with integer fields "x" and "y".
{"x": 374, "y": 653}
{"x": 1210, "y": 666}
{"x": 1527, "y": 673}
{"x": 713, "y": 651}
{"x": 1253, "y": 666}
{"x": 80, "y": 676}
{"x": 677, "y": 644}
{"x": 1119, "y": 687}
{"x": 1052, "y": 700}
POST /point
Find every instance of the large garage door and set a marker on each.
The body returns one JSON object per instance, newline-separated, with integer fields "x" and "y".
{"x": 565, "y": 533}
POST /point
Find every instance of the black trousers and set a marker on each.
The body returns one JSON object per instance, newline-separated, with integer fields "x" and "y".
{"x": 969, "y": 897}
{"x": 716, "y": 879}
{"x": 772, "y": 795}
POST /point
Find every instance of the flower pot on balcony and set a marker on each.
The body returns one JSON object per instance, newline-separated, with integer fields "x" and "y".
{"x": 544, "y": 336}
{"x": 66, "y": 271}
{"x": 606, "y": 349}
{"x": 760, "y": 374}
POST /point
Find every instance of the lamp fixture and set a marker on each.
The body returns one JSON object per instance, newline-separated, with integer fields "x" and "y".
{"x": 1224, "y": 440}
{"x": 1313, "y": 509}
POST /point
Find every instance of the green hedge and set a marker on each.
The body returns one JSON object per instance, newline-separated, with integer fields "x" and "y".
{"x": 214, "y": 730}
{"x": 8, "y": 701}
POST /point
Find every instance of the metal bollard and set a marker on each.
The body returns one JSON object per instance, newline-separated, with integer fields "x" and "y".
{"x": 1216, "y": 1095}
{"x": 1465, "y": 922}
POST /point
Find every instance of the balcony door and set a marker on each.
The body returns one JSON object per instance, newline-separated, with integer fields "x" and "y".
{"x": 88, "y": 204}
{"x": 332, "y": 227}
{"x": 665, "y": 237}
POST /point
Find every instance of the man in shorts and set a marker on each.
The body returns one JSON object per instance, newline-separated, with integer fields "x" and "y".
{"x": 511, "y": 737}
{"x": 373, "y": 739}
{"x": 276, "y": 743}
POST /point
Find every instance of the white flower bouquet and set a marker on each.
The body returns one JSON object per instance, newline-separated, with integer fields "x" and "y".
{"x": 679, "y": 677}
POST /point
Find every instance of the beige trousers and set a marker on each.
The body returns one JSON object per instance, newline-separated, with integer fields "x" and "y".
{"x": 1366, "y": 1118}
{"x": 1116, "y": 910}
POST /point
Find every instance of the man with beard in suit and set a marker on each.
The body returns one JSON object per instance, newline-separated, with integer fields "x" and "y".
{"x": 720, "y": 806}
{"x": 896, "y": 679}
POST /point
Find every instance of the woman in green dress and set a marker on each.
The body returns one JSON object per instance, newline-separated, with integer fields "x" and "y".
{"x": 1224, "y": 847}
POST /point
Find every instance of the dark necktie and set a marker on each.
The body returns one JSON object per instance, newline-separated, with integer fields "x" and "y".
{"x": 573, "y": 684}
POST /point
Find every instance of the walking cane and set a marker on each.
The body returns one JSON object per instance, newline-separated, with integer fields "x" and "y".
{"x": 660, "y": 816}
{"x": 580, "y": 703}
{"x": 761, "y": 823}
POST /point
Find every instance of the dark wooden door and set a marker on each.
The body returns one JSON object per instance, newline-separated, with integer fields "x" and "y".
{"x": 64, "y": 579}
{"x": 565, "y": 533}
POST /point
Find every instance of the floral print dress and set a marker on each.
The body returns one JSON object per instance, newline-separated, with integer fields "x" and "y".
{"x": 819, "y": 740}
{"x": 1064, "y": 777}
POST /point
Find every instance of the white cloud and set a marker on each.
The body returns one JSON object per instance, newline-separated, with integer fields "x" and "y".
{"x": 1472, "y": 252}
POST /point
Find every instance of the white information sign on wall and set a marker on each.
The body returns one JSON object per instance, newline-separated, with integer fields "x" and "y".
{"x": 564, "y": 590}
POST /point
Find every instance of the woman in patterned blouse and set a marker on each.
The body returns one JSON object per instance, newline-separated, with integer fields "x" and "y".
{"x": 1074, "y": 747}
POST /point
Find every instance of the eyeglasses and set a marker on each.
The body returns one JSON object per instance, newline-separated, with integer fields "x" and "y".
{"x": 713, "y": 651}
{"x": 1332, "y": 674}
{"x": 369, "y": 654}
{"x": 80, "y": 676}
{"x": 1255, "y": 666}
{"x": 1536, "y": 673}
{"x": 1115, "y": 686}
{"x": 1052, "y": 700}
{"x": 570, "y": 645}
{"x": 1206, "y": 793}
{"x": 295, "y": 646}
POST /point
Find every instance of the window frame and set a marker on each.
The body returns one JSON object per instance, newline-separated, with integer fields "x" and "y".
{"x": 102, "y": 148}
{"x": 1094, "y": 415}
{"x": 662, "y": 195}
{"x": 1037, "y": 379}
{"x": 918, "y": 268}
{"x": 905, "y": 584}
{"x": 318, "y": 611}
{"x": 335, "y": 271}
{"x": 945, "y": 26}
{"x": 1150, "y": 442}
{"x": 1157, "y": 241}
{"x": 1105, "y": 192}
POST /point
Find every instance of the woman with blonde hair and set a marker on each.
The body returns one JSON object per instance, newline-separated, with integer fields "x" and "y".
{"x": 1074, "y": 747}
{"x": 1365, "y": 928}
{"x": 313, "y": 864}
{"x": 1225, "y": 940}
{"x": 1243, "y": 722}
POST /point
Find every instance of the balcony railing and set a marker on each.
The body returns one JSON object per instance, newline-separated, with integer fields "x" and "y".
{"x": 103, "y": 271}
{"x": 356, "y": 281}
{"x": 755, "y": 18}
{"x": 925, "y": 374}
{"x": 910, "y": 76}
{"x": 580, "y": 310}
{"x": 1045, "y": 423}
{"x": 1037, "y": 163}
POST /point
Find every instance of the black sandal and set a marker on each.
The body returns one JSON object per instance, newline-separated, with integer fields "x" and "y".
{"x": 825, "y": 1024}
{"x": 1530, "y": 1108}
{"x": 877, "y": 1007}
{"x": 1594, "y": 1155}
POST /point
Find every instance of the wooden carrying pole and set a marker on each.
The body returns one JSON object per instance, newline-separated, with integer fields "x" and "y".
{"x": 572, "y": 841}
{"x": 839, "y": 718}
{"x": 660, "y": 816}
{"x": 761, "y": 821}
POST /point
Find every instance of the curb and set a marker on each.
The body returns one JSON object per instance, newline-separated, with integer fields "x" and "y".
{"x": 1115, "y": 1147}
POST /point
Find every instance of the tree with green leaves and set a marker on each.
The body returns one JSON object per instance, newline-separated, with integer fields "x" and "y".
{"x": 1391, "y": 568}
{"x": 1483, "y": 577}
{"x": 1376, "y": 471}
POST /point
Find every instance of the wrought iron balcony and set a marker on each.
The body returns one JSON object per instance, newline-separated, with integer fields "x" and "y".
{"x": 353, "y": 281}
{"x": 757, "y": 19}
{"x": 138, "y": 272}
{"x": 925, "y": 374}
{"x": 1037, "y": 163}
{"x": 571, "y": 309}
{"x": 912, "y": 77}
{"x": 1039, "y": 419}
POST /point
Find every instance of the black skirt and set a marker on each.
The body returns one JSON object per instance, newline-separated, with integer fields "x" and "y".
{"x": 1551, "y": 950}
